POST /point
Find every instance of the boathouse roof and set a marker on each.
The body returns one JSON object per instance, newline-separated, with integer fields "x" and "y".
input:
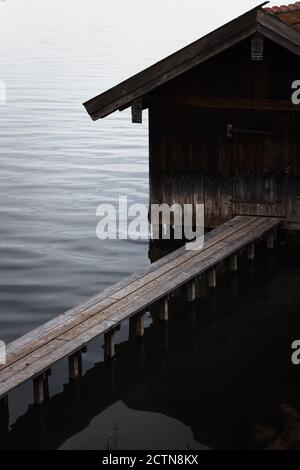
{"x": 279, "y": 24}
{"x": 288, "y": 13}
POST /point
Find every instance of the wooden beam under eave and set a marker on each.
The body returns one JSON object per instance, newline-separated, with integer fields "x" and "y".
{"x": 238, "y": 103}
{"x": 137, "y": 112}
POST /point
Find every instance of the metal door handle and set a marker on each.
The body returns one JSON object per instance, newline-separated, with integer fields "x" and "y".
{"x": 236, "y": 130}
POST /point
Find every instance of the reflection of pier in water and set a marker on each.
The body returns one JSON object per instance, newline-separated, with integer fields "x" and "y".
{"x": 211, "y": 350}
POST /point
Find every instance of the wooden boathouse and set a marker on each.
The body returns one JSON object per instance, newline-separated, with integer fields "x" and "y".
{"x": 223, "y": 130}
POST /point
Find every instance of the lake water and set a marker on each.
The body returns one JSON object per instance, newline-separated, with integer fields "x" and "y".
{"x": 205, "y": 389}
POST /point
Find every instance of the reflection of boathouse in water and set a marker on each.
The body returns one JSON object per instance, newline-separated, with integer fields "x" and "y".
{"x": 222, "y": 127}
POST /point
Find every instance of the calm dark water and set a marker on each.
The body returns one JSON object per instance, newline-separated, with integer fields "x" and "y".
{"x": 222, "y": 367}
{"x": 218, "y": 376}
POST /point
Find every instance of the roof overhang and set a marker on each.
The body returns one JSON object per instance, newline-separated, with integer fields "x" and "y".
{"x": 256, "y": 20}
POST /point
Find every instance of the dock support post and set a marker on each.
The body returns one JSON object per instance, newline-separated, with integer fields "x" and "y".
{"x": 164, "y": 310}
{"x": 191, "y": 291}
{"x": 234, "y": 263}
{"x": 212, "y": 278}
{"x": 270, "y": 240}
{"x": 75, "y": 366}
{"x": 41, "y": 388}
{"x": 139, "y": 324}
{"x": 251, "y": 252}
{"x": 109, "y": 345}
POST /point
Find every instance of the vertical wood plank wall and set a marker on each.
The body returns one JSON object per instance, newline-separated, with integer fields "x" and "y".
{"x": 192, "y": 160}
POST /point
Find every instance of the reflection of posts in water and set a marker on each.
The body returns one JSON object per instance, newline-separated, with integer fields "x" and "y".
{"x": 270, "y": 261}
{"x": 251, "y": 271}
{"x": 270, "y": 240}
{"x": 140, "y": 345}
{"x": 110, "y": 372}
{"x": 193, "y": 315}
{"x": 160, "y": 313}
{"x": 233, "y": 287}
{"x": 4, "y": 421}
{"x": 212, "y": 300}
{"x": 165, "y": 339}
{"x": 74, "y": 393}
{"x": 201, "y": 287}
{"x": 137, "y": 337}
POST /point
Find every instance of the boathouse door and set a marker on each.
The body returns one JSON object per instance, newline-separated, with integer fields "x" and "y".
{"x": 260, "y": 165}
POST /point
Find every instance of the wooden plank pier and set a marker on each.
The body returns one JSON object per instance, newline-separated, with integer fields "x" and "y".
{"x": 66, "y": 336}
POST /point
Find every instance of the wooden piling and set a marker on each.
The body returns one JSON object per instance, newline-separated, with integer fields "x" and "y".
{"x": 102, "y": 314}
{"x": 251, "y": 252}
{"x": 75, "y": 366}
{"x": 139, "y": 322}
{"x": 234, "y": 263}
{"x": 212, "y": 278}
{"x": 164, "y": 310}
{"x": 191, "y": 291}
{"x": 270, "y": 240}
{"x": 109, "y": 344}
{"x": 41, "y": 388}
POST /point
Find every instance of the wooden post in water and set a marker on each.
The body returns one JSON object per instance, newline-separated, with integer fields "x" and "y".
{"x": 234, "y": 263}
{"x": 251, "y": 252}
{"x": 109, "y": 344}
{"x": 164, "y": 310}
{"x": 139, "y": 321}
{"x": 191, "y": 291}
{"x": 270, "y": 240}
{"x": 41, "y": 388}
{"x": 212, "y": 278}
{"x": 75, "y": 366}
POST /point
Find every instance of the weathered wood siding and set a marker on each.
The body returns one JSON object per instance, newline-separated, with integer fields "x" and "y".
{"x": 192, "y": 159}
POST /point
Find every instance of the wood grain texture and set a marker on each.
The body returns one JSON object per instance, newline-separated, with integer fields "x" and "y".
{"x": 28, "y": 359}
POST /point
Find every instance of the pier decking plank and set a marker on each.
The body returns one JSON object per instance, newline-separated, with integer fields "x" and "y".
{"x": 34, "y": 353}
{"x": 106, "y": 298}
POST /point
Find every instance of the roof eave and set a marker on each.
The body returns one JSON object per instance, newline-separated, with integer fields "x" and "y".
{"x": 124, "y": 102}
{"x": 278, "y": 31}
{"x": 123, "y": 95}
